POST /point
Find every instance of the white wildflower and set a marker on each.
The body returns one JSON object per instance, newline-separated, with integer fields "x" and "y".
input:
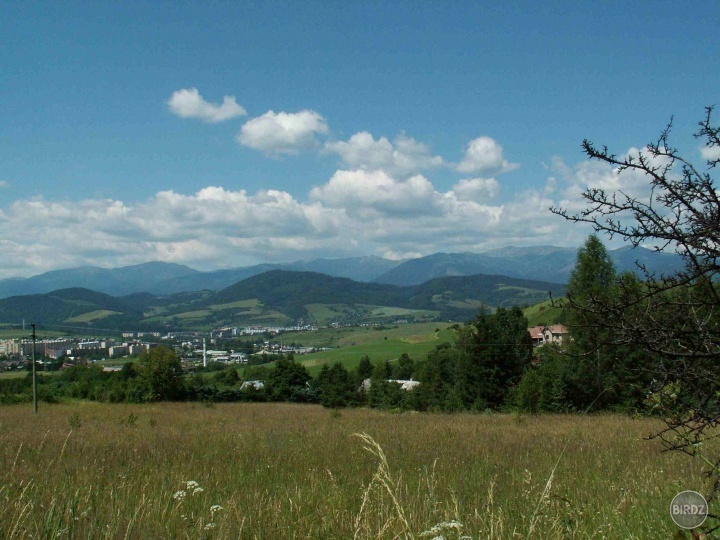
{"x": 197, "y": 490}
{"x": 433, "y": 532}
{"x": 179, "y": 495}
{"x": 192, "y": 484}
{"x": 438, "y": 531}
{"x": 215, "y": 508}
{"x": 209, "y": 526}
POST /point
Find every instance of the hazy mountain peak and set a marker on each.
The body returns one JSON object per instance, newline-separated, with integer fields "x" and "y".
{"x": 544, "y": 263}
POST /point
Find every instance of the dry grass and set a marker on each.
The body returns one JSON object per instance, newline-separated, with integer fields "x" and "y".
{"x": 280, "y": 471}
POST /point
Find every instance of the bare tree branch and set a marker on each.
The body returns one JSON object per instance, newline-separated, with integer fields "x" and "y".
{"x": 675, "y": 317}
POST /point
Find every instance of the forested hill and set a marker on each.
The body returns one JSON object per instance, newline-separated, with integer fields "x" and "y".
{"x": 289, "y": 292}
{"x": 278, "y": 295}
{"x": 62, "y": 306}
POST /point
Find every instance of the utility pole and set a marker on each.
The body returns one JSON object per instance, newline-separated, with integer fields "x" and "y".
{"x": 34, "y": 373}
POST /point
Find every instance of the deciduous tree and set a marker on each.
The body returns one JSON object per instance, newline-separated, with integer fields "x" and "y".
{"x": 288, "y": 381}
{"x": 160, "y": 371}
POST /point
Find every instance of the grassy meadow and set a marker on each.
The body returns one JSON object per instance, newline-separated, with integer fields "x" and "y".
{"x": 544, "y": 313}
{"x": 281, "y": 471}
{"x": 347, "y": 336}
{"x": 379, "y": 344}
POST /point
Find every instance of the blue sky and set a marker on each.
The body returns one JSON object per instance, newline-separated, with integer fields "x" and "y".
{"x": 348, "y": 128}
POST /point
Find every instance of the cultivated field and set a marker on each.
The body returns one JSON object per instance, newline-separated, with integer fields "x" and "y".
{"x": 280, "y": 471}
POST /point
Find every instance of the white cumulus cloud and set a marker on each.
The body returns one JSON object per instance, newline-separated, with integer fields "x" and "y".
{"x": 484, "y": 155}
{"x": 477, "y": 188}
{"x": 403, "y": 156}
{"x": 404, "y": 217}
{"x": 283, "y": 133}
{"x": 359, "y": 191}
{"x": 710, "y": 153}
{"x": 352, "y": 212}
{"x": 188, "y": 103}
{"x": 572, "y": 181}
{"x": 212, "y": 228}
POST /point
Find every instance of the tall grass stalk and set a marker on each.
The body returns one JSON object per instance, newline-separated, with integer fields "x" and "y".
{"x": 383, "y": 478}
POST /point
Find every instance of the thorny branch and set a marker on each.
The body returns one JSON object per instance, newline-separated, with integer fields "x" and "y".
{"x": 675, "y": 317}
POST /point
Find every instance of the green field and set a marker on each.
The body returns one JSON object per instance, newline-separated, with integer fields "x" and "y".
{"x": 381, "y": 312}
{"x": 544, "y": 313}
{"x": 92, "y": 316}
{"x": 324, "y": 314}
{"x": 344, "y": 336}
{"x": 235, "y": 313}
{"x": 282, "y": 471}
{"x": 27, "y": 333}
{"x": 240, "y": 304}
{"x": 379, "y": 344}
{"x": 14, "y": 374}
{"x": 200, "y": 314}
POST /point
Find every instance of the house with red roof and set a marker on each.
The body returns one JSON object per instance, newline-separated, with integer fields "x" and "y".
{"x": 555, "y": 333}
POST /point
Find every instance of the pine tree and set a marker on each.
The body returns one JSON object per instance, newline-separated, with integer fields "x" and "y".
{"x": 589, "y": 290}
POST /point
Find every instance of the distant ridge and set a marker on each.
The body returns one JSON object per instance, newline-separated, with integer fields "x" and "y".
{"x": 113, "y": 281}
{"x": 544, "y": 263}
{"x": 541, "y": 263}
{"x": 356, "y": 268}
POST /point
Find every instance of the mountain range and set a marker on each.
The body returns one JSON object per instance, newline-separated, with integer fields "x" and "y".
{"x": 277, "y": 297}
{"x": 542, "y": 263}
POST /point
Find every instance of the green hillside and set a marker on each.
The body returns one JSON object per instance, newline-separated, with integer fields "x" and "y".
{"x": 63, "y": 305}
{"x": 289, "y": 292}
{"x": 92, "y": 316}
{"x": 280, "y": 298}
{"x": 205, "y": 317}
{"x": 388, "y": 343}
{"x": 312, "y": 295}
{"x": 545, "y": 313}
{"x": 460, "y": 297}
{"x": 324, "y": 314}
{"x": 416, "y": 340}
